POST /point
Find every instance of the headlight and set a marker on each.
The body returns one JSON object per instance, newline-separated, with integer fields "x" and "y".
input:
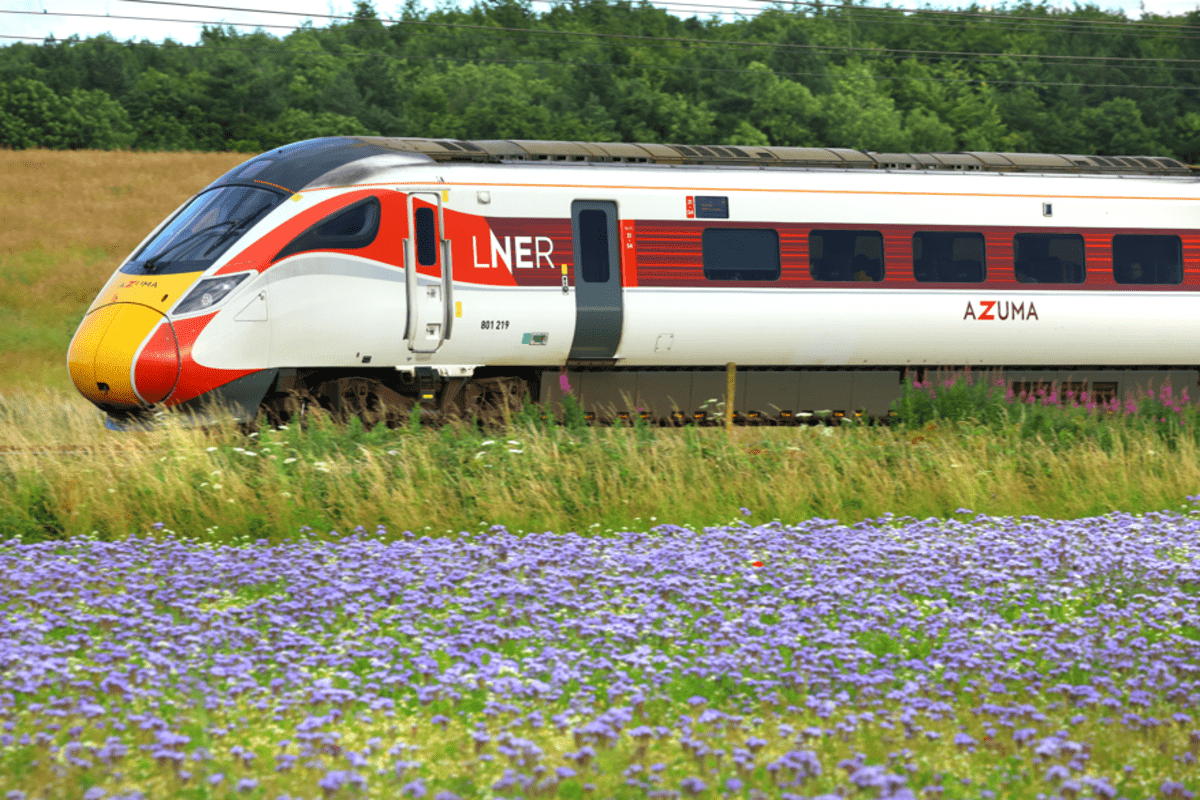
{"x": 209, "y": 292}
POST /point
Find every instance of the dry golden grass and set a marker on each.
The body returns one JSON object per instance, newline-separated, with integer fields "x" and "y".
{"x": 62, "y": 199}
{"x": 67, "y": 219}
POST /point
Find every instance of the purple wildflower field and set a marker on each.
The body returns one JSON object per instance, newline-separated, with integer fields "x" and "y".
{"x": 973, "y": 657}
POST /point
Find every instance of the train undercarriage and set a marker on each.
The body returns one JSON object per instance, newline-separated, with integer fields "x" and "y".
{"x": 762, "y": 395}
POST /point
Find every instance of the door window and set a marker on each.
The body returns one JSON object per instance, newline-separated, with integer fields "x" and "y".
{"x": 426, "y": 224}
{"x": 593, "y": 246}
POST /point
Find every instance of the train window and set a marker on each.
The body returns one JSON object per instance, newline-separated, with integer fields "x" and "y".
{"x": 1147, "y": 259}
{"x": 845, "y": 255}
{"x": 948, "y": 257}
{"x": 1048, "y": 258}
{"x": 352, "y": 228}
{"x": 740, "y": 254}
{"x": 426, "y": 236}
{"x": 593, "y": 245}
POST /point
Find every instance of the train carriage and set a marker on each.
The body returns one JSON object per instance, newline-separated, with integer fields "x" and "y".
{"x": 372, "y": 275}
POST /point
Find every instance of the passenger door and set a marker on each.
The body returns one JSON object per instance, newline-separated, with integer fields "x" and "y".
{"x": 430, "y": 298}
{"x": 599, "y": 311}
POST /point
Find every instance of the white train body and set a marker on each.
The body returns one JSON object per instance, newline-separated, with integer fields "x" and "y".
{"x": 476, "y": 268}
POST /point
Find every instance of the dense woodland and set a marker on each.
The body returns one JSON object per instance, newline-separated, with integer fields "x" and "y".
{"x": 1026, "y": 78}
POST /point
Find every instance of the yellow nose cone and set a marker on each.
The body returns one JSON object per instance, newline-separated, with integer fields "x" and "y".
{"x": 101, "y": 358}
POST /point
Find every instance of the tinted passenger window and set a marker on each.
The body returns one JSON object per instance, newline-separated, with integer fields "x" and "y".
{"x": 426, "y": 224}
{"x": 351, "y": 228}
{"x": 593, "y": 245}
{"x": 349, "y": 223}
{"x": 740, "y": 254}
{"x": 1147, "y": 259}
{"x": 1048, "y": 258}
{"x": 845, "y": 256}
{"x": 948, "y": 257}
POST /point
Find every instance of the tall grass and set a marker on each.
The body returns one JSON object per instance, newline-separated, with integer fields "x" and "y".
{"x": 63, "y": 474}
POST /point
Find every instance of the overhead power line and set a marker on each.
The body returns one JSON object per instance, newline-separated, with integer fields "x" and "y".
{"x": 672, "y": 68}
{"x": 861, "y": 12}
{"x": 634, "y": 40}
{"x": 946, "y": 12}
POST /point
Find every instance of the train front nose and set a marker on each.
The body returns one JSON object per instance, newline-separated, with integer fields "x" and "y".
{"x": 124, "y": 355}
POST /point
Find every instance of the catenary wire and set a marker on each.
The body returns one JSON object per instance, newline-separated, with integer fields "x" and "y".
{"x": 1130, "y": 26}
{"x": 666, "y": 68}
{"x": 1110, "y": 62}
{"x": 946, "y": 12}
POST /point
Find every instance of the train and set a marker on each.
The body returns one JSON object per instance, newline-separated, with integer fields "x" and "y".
{"x": 376, "y": 277}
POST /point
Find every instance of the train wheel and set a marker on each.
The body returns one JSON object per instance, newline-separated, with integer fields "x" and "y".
{"x": 494, "y": 401}
{"x": 370, "y": 400}
{"x": 281, "y": 409}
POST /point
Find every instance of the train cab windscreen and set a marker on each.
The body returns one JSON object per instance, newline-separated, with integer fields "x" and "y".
{"x": 201, "y": 232}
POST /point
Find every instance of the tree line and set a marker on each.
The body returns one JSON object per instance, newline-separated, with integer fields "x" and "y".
{"x": 1028, "y": 77}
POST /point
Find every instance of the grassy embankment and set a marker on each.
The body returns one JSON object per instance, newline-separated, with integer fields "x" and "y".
{"x": 71, "y": 217}
{"x": 63, "y": 474}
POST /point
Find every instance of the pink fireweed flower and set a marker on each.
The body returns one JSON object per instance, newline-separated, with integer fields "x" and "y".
{"x": 564, "y": 384}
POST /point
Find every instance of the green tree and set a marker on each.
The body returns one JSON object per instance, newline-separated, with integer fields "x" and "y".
{"x": 860, "y": 114}
{"x": 784, "y": 110}
{"x": 33, "y": 115}
{"x": 296, "y": 124}
{"x": 1115, "y": 127}
{"x": 167, "y": 113}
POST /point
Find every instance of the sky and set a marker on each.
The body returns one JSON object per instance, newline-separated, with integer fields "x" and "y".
{"x": 41, "y": 18}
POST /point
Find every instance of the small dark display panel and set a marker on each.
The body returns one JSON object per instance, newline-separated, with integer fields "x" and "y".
{"x": 712, "y": 207}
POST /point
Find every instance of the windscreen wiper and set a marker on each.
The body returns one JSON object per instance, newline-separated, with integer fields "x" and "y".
{"x": 152, "y": 263}
{"x": 241, "y": 225}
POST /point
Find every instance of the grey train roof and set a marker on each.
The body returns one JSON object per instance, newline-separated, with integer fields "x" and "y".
{"x": 294, "y": 166}
{"x": 509, "y": 150}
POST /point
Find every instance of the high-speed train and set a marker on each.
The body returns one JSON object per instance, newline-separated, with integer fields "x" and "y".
{"x": 373, "y": 274}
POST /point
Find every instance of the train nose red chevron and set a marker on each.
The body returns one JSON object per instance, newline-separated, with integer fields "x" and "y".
{"x": 124, "y": 354}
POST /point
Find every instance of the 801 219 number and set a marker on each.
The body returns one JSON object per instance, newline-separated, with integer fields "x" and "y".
{"x": 493, "y": 325}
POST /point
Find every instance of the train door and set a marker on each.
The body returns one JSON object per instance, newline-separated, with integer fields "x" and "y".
{"x": 598, "y": 304}
{"x": 430, "y": 298}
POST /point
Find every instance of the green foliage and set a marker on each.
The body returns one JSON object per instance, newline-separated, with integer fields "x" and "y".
{"x": 574, "y": 418}
{"x": 34, "y": 115}
{"x": 826, "y": 75}
{"x": 959, "y": 398}
{"x": 1047, "y": 415}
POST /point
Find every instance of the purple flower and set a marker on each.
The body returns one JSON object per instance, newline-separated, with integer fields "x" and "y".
{"x": 1175, "y": 789}
{"x": 414, "y": 789}
{"x": 1056, "y": 774}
